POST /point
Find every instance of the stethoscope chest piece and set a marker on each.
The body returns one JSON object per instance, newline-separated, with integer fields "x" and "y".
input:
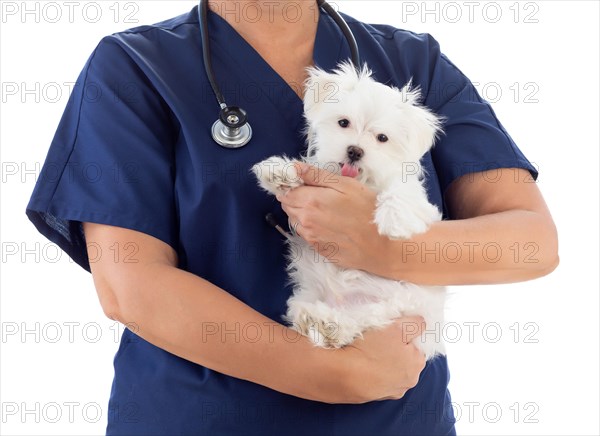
{"x": 232, "y": 130}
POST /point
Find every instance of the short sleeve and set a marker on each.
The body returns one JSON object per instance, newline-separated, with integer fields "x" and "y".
{"x": 474, "y": 140}
{"x": 111, "y": 159}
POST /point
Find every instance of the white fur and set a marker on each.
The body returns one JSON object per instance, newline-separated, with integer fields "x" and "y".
{"x": 333, "y": 305}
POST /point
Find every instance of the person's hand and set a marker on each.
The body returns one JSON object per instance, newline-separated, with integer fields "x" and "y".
{"x": 385, "y": 364}
{"x": 335, "y": 215}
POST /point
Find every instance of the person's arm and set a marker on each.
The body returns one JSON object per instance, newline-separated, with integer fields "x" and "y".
{"x": 501, "y": 230}
{"x": 193, "y": 319}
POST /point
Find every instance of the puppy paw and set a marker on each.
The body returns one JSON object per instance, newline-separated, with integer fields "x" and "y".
{"x": 277, "y": 174}
{"x": 401, "y": 220}
{"x": 324, "y": 332}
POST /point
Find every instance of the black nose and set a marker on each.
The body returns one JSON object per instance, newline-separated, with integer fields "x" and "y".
{"x": 354, "y": 153}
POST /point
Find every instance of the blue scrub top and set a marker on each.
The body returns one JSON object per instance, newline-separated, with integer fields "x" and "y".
{"x": 134, "y": 150}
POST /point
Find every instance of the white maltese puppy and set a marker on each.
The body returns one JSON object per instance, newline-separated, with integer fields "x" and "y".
{"x": 376, "y": 134}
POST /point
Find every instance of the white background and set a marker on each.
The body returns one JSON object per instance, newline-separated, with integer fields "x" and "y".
{"x": 543, "y": 381}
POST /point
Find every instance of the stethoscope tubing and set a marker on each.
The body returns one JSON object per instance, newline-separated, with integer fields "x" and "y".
{"x": 238, "y": 134}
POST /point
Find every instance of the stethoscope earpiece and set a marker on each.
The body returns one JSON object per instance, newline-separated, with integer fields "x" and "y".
{"x": 232, "y": 130}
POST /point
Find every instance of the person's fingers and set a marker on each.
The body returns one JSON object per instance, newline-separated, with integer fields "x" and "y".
{"x": 292, "y": 212}
{"x": 412, "y": 327}
{"x": 294, "y": 222}
{"x": 394, "y": 397}
{"x": 314, "y": 176}
{"x": 304, "y": 196}
{"x": 291, "y": 198}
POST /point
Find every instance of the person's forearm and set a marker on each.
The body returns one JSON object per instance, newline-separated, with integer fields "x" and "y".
{"x": 191, "y": 318}
{"x": 503, "y": 247}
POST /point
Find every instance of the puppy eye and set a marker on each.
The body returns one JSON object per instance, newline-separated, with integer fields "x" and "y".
{"x": 344, "y": 123}
{"x": 382, "y": 138}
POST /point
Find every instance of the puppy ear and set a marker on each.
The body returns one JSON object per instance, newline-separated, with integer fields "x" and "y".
{"x": 323, "y": 88}
{"x": 409, "y": 94}
{"x": 425, "y": 126}
{"x": 348, "y": 71}
{"x": 320, "y": 87}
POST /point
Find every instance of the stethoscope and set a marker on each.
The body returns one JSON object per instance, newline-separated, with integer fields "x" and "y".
{"x": 232, "y": 129}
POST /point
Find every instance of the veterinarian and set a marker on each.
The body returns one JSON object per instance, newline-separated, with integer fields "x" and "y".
{"x": 200, "y": 278}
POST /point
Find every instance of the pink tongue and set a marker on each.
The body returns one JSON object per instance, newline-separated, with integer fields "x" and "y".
{"x": 349, "y": 170}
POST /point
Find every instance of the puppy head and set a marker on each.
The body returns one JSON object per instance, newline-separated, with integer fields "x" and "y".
{"x": 363, "y": 128}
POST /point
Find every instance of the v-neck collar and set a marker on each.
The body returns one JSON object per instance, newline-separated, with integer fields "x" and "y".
{"x": 229, "y": 48}
{"x": 331, "y": 46}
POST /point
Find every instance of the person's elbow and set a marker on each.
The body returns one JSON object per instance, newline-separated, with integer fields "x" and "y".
{"x": 547, "y": 267}
{"x": 125, "y": 291}
{"x": 546, "y": 257}
{"x": 108, "y": 296}
{"x": 122, "y": 282}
